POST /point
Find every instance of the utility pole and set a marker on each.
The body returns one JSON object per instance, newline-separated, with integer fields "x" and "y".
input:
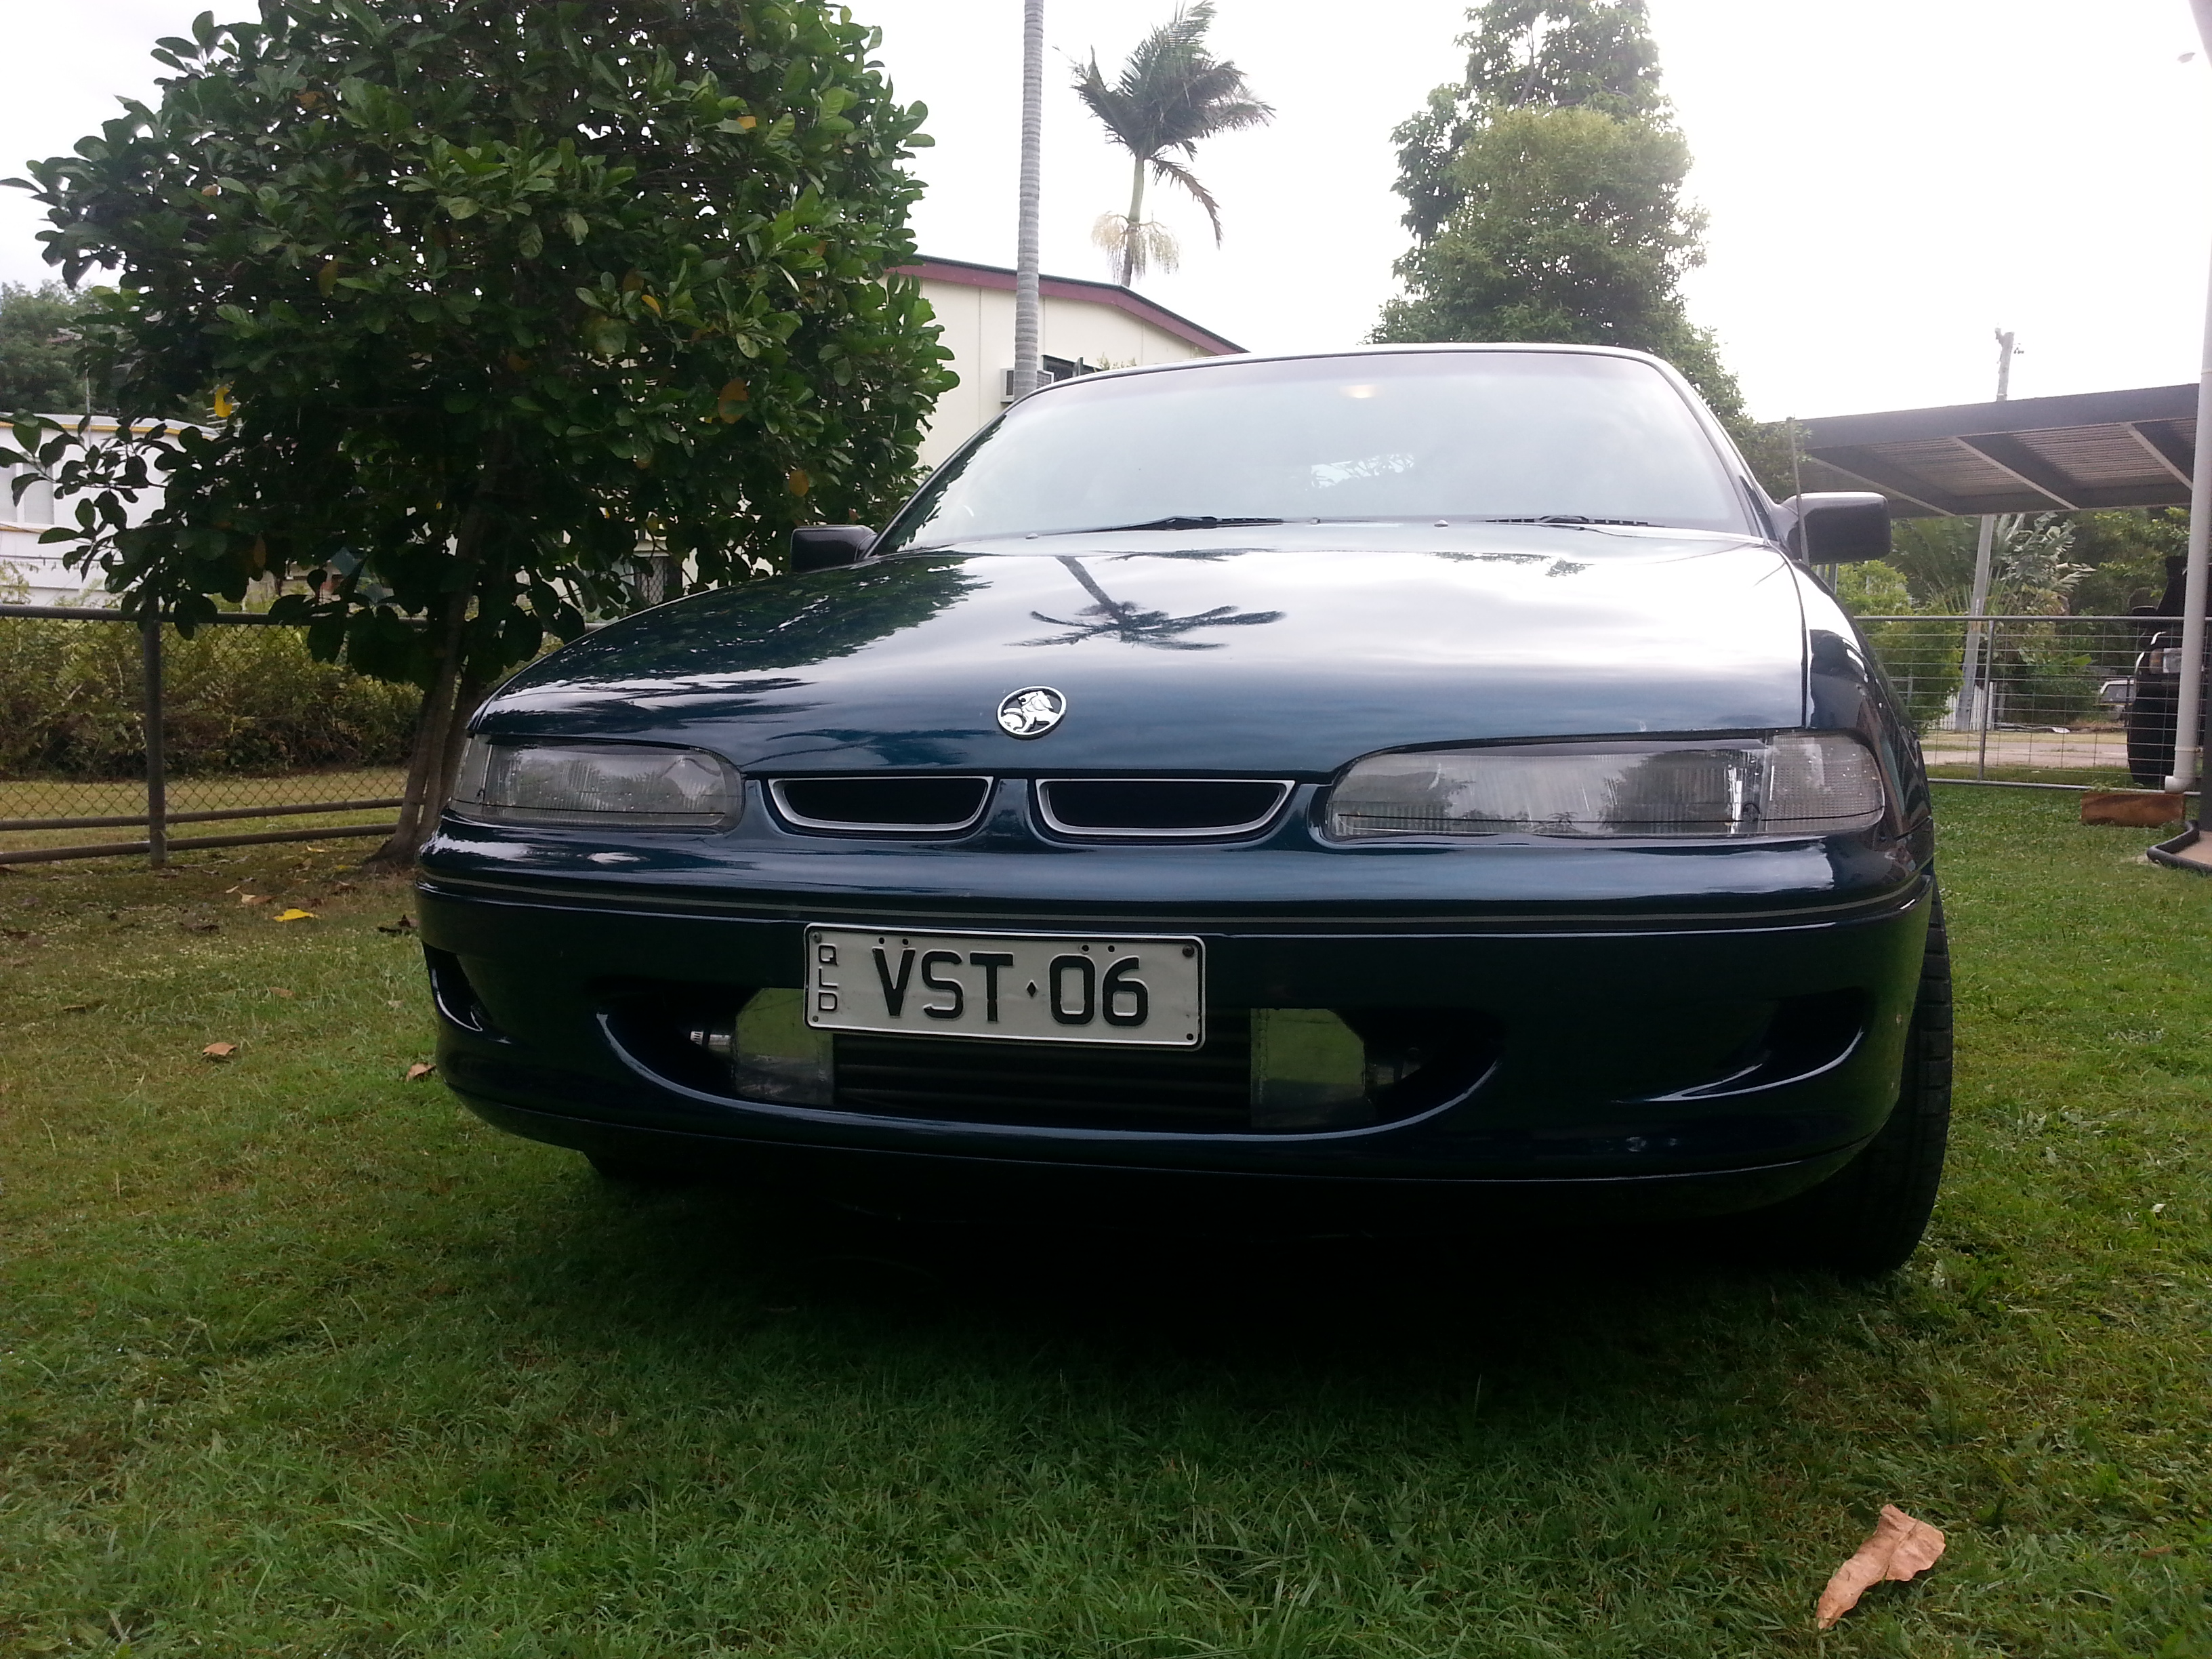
{"x": 1028, "y": 322}
{"x": 1971, "y": 711}
{"x": 2188, "y": 703}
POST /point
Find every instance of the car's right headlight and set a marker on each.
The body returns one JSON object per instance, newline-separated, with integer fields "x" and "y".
{"x": 1794, "y": 783}
{"x": 609, "y": 785}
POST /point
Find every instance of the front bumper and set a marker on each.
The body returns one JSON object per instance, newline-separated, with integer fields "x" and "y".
{"x": 1642, "y": 1062}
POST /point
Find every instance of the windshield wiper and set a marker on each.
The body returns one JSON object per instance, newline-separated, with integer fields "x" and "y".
{"x": 1173, "y": 521}
{"x": 1571, "y": 520}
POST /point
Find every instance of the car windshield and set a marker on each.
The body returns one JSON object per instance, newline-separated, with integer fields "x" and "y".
{"x": 1559, "y": 435}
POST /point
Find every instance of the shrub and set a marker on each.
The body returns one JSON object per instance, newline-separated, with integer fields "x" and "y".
{"x": 2042, "y": 681}
{"x": 238, "y": 699}
{"x": 1924, "y": 660}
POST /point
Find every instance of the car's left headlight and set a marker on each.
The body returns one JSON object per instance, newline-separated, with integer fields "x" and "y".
{"x": 615, "y": 785}
{"x": 1802, "y": 783}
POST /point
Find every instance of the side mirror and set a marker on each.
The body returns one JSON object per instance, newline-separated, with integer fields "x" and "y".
{"x": 1835, "y": 527}
{"x": 820, "y": 546}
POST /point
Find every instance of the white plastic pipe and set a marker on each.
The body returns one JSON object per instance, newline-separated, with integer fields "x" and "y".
{"x": 1028, "y": 331}
{"x": 2188, "y": 714}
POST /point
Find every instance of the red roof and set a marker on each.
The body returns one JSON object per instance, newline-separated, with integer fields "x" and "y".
{"x": 966, "y": 274}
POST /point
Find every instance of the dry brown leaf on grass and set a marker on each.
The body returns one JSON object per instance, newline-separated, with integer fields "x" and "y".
{"x": 220, "y": 1050}
{"x": 405, "y": 925}
{"x": 253, "y": 898}
{"x": 419, "y": 1071}
{"x": 279, "y": 991}
{"x": 1898, "y": 1548}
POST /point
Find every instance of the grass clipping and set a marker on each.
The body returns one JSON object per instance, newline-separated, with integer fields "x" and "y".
{"x": 1899, "y": 1548}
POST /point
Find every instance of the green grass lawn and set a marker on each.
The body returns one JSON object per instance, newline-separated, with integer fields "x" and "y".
{"x": 296, "y": 1359}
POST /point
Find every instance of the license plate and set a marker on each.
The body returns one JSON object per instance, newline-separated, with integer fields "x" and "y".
{"x": 1023, "y": 987}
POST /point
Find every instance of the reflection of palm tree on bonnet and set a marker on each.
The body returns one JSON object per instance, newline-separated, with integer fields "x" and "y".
{"x": 1170, "y": 94}
{"x": 1111, "y": 619}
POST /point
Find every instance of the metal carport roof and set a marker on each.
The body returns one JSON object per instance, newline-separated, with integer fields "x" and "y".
{"x": 2025, "y": 455}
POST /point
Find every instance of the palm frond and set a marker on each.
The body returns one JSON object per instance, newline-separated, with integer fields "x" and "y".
{"x": 1175, "y": 171}
{"x": 1171, "y": 92}
{"x": 1111, "y": 105}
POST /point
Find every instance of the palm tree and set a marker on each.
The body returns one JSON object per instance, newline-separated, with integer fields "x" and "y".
{"x": 1170, "y": 94}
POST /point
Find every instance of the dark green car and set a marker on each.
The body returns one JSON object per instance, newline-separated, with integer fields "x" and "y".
{"x": 1398, "y": 786}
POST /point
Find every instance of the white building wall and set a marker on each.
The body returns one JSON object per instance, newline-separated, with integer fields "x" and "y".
{"x": 978, "y": 329}
{"x": 32, "y": 575}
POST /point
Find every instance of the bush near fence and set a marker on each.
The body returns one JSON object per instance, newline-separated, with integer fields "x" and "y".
{"x": 237, "y": 700}
{"x": 1925, "y": 660}
{"x": 2042, "y": 669}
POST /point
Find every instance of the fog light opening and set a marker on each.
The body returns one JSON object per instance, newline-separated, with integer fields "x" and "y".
{"x": 450, "y": 993}
{"x": 775, "y": 1055}
{"x": 1419, "y": 1058}
{"x": 1309, "y": 1070}
{"x": 1320, "y": 1069}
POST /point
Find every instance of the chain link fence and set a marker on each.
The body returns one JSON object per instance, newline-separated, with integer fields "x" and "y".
{"x": 121, "y": 736}
{"x": 246, "y": 739}
{"x": 2078, "y": 701}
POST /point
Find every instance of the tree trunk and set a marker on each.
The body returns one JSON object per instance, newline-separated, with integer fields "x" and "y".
{"x": 430, "y": 767}
{"x": 468, "y": 697}
{"x": 426, "y": 769}
{"x": 1129, "y": 231}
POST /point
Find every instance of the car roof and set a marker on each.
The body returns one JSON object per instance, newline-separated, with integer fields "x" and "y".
{"x": 1422, "y": 349}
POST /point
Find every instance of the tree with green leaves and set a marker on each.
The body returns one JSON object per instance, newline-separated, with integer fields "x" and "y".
{"x": 2107, "y": 562}
{"x": 1545, "y": 193}
{"x": 1171, "y": 93}
{"x": 38, "y": 349}
{"x": 492, "y": 303}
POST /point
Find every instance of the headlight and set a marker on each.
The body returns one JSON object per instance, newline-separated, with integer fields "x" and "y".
{"x": 1796, "y": 783}
{"x": 633, "y": 786}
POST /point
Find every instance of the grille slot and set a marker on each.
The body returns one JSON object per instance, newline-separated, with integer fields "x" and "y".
{"x": 869, "y": 806}
{"x": 1203, "y": 1090}
{"x": 1160, "y": 807}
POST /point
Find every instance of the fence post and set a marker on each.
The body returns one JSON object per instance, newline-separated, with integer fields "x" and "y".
{"x": 1988, "y": 701}
{"x": 157, "y": 779}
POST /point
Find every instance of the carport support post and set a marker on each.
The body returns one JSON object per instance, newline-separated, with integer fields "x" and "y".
{"x": 1973, "y": 688}
{"x": 2188, "y": 714}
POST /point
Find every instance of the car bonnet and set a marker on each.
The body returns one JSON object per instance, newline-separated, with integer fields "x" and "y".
{"x": 1182, "y": 652}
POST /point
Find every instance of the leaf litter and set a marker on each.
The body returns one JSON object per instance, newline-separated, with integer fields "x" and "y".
{"x": 1899, "y": 1548}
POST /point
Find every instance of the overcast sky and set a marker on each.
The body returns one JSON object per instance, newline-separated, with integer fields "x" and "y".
{"x": 1888, "y": 180}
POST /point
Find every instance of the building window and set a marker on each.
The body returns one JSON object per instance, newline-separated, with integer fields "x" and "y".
{"x": 1055, "y": 368}
{"x": 36, "y": 506}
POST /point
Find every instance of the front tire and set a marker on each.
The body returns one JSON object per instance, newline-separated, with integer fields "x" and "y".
{"x": 2152, "y": 717}
{"x": 1867, "y": 1218}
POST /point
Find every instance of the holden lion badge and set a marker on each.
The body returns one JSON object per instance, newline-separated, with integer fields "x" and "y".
{"x": 1031, "y": 712}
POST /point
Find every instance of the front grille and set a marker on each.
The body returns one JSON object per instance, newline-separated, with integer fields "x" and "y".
{"x": 871, "y": 806}
{"x": 1153, "y": 807}
{"x": 1208, "y": 1090}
